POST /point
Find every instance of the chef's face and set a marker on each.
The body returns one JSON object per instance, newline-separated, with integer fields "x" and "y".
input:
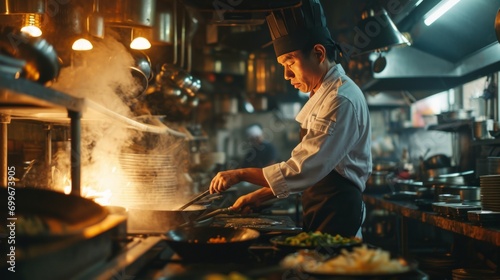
{"x": 303, "y": 70}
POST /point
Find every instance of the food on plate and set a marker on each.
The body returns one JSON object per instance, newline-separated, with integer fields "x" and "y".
{"x": 217, "y": 239}
{"x": 360, "y": 260}
{"x": 221, "y": 276}
{"x": 307, "y": 239}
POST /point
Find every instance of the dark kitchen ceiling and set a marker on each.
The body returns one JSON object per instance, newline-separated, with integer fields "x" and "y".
{"x": 457, "y": 48}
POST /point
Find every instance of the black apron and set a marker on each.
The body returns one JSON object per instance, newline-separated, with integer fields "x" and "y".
{"x": 333, "y": 205}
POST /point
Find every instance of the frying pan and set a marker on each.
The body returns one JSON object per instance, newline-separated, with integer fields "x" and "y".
{"x": 160, "y": 219}
{"x": 193, "y": 243}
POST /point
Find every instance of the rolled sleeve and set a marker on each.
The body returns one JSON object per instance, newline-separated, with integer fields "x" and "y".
{"x": 276, "y": 180}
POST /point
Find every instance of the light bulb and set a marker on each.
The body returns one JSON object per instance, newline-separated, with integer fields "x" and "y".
{"x": 32, "y": 31}
{"x": 140, "y": 43}
{"x": 82, "y": 45}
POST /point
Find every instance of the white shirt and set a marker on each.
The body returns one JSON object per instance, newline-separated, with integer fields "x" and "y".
{"x": 338, "y": 137}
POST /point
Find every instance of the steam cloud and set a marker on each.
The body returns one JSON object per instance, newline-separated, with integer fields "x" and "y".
{"x": 103, "y": 76}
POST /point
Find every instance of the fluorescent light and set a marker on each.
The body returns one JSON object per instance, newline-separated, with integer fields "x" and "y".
{"x": 82, "y": 45}
{"x": 439, "y": 10}
{"x": 419, "y": 2}
{"x": 140, "y": 43}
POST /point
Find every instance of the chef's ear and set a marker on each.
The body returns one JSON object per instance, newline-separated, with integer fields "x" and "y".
{"x": 320, "y": 52}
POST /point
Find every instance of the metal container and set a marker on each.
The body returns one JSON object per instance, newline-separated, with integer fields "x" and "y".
{"x": 9, "y": 7}
{"x": 455, "y": 115}
{"x": 140, "y": 13}
{"x": 482, "y": 128}
{"x": 465, "y": 193}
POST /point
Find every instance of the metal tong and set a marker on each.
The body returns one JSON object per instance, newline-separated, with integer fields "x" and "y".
{"x": 192, "y": 201}
{"x": 204, "y": 217}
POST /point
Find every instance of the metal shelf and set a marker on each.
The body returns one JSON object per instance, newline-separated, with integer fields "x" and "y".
{"x": 24, "y": 99}
{"x": 451, "y": 126}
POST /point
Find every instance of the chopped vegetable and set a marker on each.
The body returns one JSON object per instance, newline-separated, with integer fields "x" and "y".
{"x": 307, "y": 239}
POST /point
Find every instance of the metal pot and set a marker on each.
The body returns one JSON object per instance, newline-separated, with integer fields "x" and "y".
{"x": 193, "y": 243}
{"x": 455, "y": 115}
{"x": 466, "y": 193}
{"x": 155, "y": 218}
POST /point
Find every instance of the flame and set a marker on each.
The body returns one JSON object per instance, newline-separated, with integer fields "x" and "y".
{"x": 102, "y": 197}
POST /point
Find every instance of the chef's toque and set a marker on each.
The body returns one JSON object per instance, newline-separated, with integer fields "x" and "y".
{"x": 297, "y": 28}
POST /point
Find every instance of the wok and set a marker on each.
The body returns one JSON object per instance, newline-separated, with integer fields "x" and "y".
{"x": 193, "y": 243}
{"x": 160, "y": 219}
{"x": 45, "y": 214}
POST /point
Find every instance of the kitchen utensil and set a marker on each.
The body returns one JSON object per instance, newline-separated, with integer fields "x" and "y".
{"x": 194, "y": 244}
{"x": 195, "y": 199}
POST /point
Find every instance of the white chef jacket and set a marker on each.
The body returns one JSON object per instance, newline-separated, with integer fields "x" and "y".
{"x": 338, "y": 137}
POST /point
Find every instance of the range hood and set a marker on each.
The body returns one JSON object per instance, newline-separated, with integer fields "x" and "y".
{"x": 240, "y": 12}
{"x": 459, "y": 47}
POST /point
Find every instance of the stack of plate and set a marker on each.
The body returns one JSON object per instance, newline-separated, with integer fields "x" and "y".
{"x": 490, "y": 192}
{"x": 436, "y": 265}
{"x": 474, "y": 274}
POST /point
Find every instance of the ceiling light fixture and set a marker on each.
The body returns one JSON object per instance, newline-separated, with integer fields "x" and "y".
{"x": 140, "y": 43}
{"x": 439, "y": 10}
{"x": 82, "y": 44}
{"x": 31, "y": 25}
{"x": 138, "y": 39}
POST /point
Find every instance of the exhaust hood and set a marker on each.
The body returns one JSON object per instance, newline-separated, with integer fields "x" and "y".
{"x": 457, "y": 48}
{"x": 238, "y": 12}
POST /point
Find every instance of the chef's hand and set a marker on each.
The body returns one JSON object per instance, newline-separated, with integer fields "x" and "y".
{"x": 224, "y": 180}
{"x": 246, "y": 203}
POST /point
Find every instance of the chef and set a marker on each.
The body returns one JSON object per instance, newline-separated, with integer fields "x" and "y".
{"x": 333, "y": 160}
